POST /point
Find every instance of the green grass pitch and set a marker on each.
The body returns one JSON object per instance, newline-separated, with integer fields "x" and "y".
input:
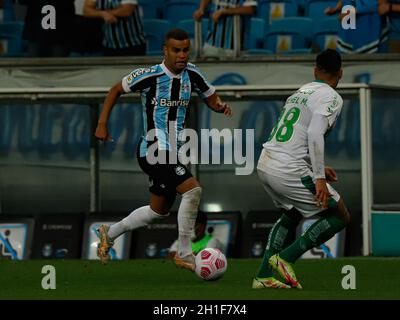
{"x": 376, "y": 278}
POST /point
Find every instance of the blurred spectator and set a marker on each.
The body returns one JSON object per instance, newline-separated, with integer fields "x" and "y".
{"x": 123, "y": 29}
{"x": 391, "y": 8}
{"x": 371, "y": 31}
{"x": 48, "y": 42}
{"x": 201, "y": 239}
{"x": 220, "y": 32}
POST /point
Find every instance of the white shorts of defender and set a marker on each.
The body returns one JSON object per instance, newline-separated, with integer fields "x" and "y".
{"x": 295, "y": 191}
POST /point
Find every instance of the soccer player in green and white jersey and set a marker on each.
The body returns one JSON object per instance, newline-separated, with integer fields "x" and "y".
{"x": 292, "y": 170}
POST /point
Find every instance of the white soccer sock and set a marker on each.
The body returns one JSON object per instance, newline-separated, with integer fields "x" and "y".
{"x": 139, "y": 218}
{"x": 187, "y": 214}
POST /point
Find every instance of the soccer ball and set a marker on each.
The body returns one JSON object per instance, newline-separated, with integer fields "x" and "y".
{"x": 210, "y": 264}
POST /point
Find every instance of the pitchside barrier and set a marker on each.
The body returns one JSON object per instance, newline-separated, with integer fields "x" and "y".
{"x": 51, "y": 162}
{"x": 73, "y": 236}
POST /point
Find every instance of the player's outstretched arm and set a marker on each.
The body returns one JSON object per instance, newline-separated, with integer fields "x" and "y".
{"x": 214, "y": 102}
{"x": 112, "y": 97}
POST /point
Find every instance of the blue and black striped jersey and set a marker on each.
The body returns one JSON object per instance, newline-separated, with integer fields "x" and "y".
{"x": 127, "y": 32}
{"x": 165, "y": 98}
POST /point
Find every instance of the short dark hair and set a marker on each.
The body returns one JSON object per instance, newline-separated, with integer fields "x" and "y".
{"x": 177, "y": 34}
{"x": 329, "y": 61}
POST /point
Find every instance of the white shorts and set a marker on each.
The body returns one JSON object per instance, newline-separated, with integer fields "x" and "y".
{"x": 290, "y": 191}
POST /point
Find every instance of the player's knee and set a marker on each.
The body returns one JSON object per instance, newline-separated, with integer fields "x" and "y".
{"x": 193, "y": 196}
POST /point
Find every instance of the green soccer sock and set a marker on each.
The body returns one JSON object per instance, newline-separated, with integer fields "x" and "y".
{"x": 280, "y": 236}
{"x": 318, "y": 233}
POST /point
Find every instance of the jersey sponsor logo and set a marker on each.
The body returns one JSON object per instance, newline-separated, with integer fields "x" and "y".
{"x": 180, "y": 171}
{"x": 139, "y": 72}
{"x": 169, "y": 103}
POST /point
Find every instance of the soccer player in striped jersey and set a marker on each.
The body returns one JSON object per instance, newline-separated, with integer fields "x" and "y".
{"x": 391, "y": 8}
{"x": 122, "y": 30}
{"x": 292, "y": 170}
{"x": 165, "y": 91}
{"x": 220, "y": 31}
{"x": 371, "y": 30}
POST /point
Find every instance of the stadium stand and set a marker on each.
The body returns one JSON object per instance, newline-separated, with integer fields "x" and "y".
{"x": 188, "y": 25}
{"x": 147, "y": 10}
{"x": 11, "y": 43}
{"x": 155, "y": 30}
{"x": 270, "y": 10}
{"x": 255, "y": 38}
{"x": 290, "y": 35}
{"x": 315, "y": 9}
{"x": 325, "y": 33}
{"x": 177, "y": 10}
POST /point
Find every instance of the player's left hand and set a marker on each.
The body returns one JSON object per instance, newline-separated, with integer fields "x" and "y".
{"x": 216, "y": 15}
{"x": 224, "y": 108}
{"x": 322, "y": 194}
{"x": 330, "y": 174}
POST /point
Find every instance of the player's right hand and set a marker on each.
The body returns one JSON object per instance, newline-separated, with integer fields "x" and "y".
{"x": 102, "y": 133}
{"x": 322, "y": 194}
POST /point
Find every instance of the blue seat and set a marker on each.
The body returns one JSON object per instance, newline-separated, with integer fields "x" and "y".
{"x": 325, "y": 33}
{"x": 188, "y": 26}
{"x": 160, "y": 5}
{"x": 254, "y": 38}
{"x": 177, "y": 10}
{"x": 11, "y": 41}
{"x": 300, "y": 25}
{"x": 270, "y": 10}
{"x": 154, "y": 32}
{"x": 8, "y": 11}
{"x": 290, "y": 35}
{"x": 315, "y": 9}
{"x": 147, "y": 10}
{"x": 301, "y": 4}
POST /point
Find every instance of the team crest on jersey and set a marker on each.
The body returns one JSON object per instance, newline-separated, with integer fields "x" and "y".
{"x": 186, "y": 88}
{"x": 129, "y": 79}
{"x": 180, "y": 171}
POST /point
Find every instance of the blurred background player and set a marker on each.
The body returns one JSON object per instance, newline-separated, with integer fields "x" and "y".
{"x": 359, "y": 40}
{"x": 165, "y": 90}
{"x": 220, "y": 31}
{"x": 123, "y": 28}
{"x": 201, "y": 239}
{"x": 292, "y": 170}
